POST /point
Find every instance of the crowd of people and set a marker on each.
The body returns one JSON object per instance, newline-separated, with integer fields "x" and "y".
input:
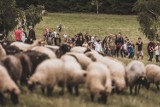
{"x": 114, "y": 45}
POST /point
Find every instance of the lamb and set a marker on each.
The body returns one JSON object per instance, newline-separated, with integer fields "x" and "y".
{"x": 81, "y": 58}
{"x": 45, "y": 50}
{"x": 24, "y": 47}
{"x": 47, "y": 75}
{"x": 153, "y": 74}
{"x": 135, "y": 75}
{"x": 7, "y": 86}
{"x": 98, "y": 81}
{"x": 75, "y": 74}
{"x": 13, "y": 66}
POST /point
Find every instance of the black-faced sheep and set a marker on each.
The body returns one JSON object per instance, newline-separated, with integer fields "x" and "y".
{"x": 153, "y": 75}
{"x": 75, "y": 74}
{"x": 12, "y": 50}
{"x": 47, "y": 75}
{"x": 45, "y": 50}
{"x": 63, "y": 49}
{"x": 13, "y": 66}
{"x": 7, "y": 86}
{"x": 136, "y": 75}
{"x": 98, "y": 82}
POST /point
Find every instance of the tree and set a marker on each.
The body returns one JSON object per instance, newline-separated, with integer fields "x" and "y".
{"x": 97, "y": 3}
{"x": 148, "y": 17}
{"x": 8, "y": 16}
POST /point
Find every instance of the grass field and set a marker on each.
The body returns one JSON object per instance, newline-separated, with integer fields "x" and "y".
{"x": 98, "y": 25}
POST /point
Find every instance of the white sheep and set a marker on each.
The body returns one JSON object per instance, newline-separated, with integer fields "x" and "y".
{"x": 98, "y": 81}
{"x": 135, "y": 75}
{"x": 47, "y": 75}
{"x": 153, "y": 74}
{"x": 75, "y": 74}
{"x": 79, "y": 49}
{"x": 81, "y": 58}
{"x": 7, "y": 86}
{"x": 45, "y": 50}
{"x": 24, "y": 47}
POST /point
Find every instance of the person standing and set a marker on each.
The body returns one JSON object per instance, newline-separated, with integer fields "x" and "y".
{"x": 150, "y": 48}
{"x": 139, "y": 48}
{"x": 157, "y": 52}
{"x": 31, "y": 35}
{"x": 18, "y": 34}
{"x": 119, "y": 42}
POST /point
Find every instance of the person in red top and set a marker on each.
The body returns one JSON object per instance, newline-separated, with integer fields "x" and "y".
{"x": 18, "y": 34}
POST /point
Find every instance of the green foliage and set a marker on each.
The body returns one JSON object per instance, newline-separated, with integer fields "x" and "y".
{"x": 148, "y": 17}
{"x": 8, "y": 16}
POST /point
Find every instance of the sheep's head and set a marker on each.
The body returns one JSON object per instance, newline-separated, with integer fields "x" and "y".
{"x": 103, "y": 97}
{"x": 14, "y": 96}
{"x": 143, "y": 80}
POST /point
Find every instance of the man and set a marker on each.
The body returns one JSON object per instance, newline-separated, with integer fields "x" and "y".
{"x": 119, "y": 42}
{"x": 31, "y": 35}
{"x": 150, "y": 49}
{"x": 139, "y": 48}
{"x": 18, "y": 34}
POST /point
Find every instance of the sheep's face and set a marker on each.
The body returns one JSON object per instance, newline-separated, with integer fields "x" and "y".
{"x": 103, "y": 97}
{"x": 14, "y": 97}
{"x": 91, "y": 56}
{"x": 143, "y": 80}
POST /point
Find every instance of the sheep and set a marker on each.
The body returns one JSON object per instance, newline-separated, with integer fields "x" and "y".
{"x": 53, "y": 48}
{"x": 47, "y": 75}
{"x": 117, "y": 70}
{"x": 36, "y": 58}
{"x": 81, "y": 58}
{"x": 13, "y": 66}
{"x": 26, "y": 67}
{"x": 153, "y": 75}
{"x": 12, "y": 50}
{"x": 45, "y": 50}
{"x": 135, "y": 75}
{"x": 98, "y": 81}
{"x": 24, "y": 46}
{"x": 78, "y": 49}
{"x": 7, "y": 86}
{"x": 2, "y": 52}
{"x": 75, "y": 74}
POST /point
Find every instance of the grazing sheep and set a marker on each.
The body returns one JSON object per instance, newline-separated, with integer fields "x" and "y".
{"x": 116, "y": 68}
{"x": 2, "y": 52}
{"x": 24, "y": 46}
{"x": 13, "y": 66}
{"x": 45, "y": 50}
{"x": 36, "y": 58}
{"x": 75, "y": 74}
{"x": 81, "y": 58}
{"x": 153, "y": 75}
{"x": 98, "y": 81}
{"x": 135, "y": 75}
{"x": 47, "y": 75}
{"x": 7, "y": 86}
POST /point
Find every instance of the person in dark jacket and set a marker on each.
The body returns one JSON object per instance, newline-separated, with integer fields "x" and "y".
{"x": 150, "y": 49}
{"x": 80, "y": 40}
{"x": 31, "y": 35}
{"x": 119, "y": 42}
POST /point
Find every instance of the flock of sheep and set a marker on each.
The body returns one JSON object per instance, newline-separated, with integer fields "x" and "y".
{"x": 47, "y": 66}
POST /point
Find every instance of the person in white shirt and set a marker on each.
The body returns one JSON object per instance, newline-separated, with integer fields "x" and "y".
{"x": 55, "y": 33}
{"x": 98, "y": 46}
{"x": 157, "y": 52}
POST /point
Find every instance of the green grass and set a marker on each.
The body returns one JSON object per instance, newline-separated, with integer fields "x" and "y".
{"x": 99, "y": 25}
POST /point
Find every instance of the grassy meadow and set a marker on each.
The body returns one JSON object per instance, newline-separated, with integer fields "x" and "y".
{"x": 97, "y": 25}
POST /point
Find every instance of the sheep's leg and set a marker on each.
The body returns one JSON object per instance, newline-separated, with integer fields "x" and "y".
{"x": 131, "y": 87}
{"x": 69, "y": 88}
{"x": 76, "y": 90}
{"x": 1, "y": 99}
{"x": 92, "y": 97}
{"x": 14, "y": 98}
{"x": 139, "y": 87}
{"x": 136, "y": 89}
{"x": 43, "y": 90}
{"x": 103, "y": 97}
{"x": 157, "y": 85}
{"x": 49, "y": 90}
{"x": 62, "y": 84}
